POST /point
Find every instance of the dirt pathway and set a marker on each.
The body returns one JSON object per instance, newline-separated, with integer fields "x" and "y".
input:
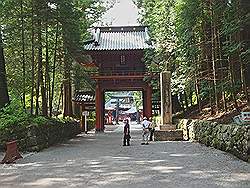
{"x": 100, "y": 160}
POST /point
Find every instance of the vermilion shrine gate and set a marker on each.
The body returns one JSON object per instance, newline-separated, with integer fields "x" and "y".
{"x": 118, "y": 53}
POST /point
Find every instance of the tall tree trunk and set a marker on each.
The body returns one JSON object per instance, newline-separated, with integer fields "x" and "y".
{"x": 4, "y": 96}
{"x": 181, "y": 102}
{"x": 191, "y": 97}
{"x": 32, "y": 61}
{"x": 241, "y": 49}
{"x": 245, "y": 37}
{"x": 44, "y": 98}
{"x": 211, "y": 97}
{"x": 197, "y": 93}
{"x": 44, "y": 81}
{"x": 23, "y": 57}
{"x": 213, "y": 53}
{"x": 197, "y": 89}
{"x": 232, "y": 79}
{"x": 223, "y": 94}
{"x": 67, "y": 90}
{"x": 176, "y": 104}
{"x": 39, "y": 67}
{"x": 186, "y": 100}
{"x": 67, "y": 109}
{"x": 60, "y": 99}
{"x": 53, "y": 72}
{"x": 238, "y": 40}
{"x": 47, "y": 70}
{"x": 208, "y": 53}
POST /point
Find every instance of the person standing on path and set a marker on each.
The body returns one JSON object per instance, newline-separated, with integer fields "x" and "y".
{"x": 145, "y": 131}
{"x": 151, "y": 128}
{"x": 126, "y": 132}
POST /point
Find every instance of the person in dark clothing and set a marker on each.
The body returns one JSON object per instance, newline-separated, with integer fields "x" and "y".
{"x": 126, "y": 131}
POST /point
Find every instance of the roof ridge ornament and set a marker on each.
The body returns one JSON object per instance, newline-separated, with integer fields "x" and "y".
{"x": 97, "y": 36}
{"x": 147, "y": 37}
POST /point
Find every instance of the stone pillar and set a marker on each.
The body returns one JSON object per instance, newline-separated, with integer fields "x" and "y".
{"x": 166, "y": 103}
{"x": 82, "y": 118}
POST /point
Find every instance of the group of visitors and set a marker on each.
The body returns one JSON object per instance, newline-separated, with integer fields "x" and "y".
{"x": 148, "y": 128}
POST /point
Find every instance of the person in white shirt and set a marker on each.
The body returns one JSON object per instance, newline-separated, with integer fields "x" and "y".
{"x": 151, "y": 128}
{"x": 145, "y": 131}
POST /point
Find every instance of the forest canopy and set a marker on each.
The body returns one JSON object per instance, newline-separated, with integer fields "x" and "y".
{"x": 205, "y": 44}
{"x": 42, "y": 39}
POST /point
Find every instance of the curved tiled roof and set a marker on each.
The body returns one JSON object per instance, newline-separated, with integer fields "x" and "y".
{"x": 119, "y": 38}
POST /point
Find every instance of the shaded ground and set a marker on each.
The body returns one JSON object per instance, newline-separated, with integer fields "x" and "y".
{"x": 221, "y": 117}
{"x": 100, "y": 161}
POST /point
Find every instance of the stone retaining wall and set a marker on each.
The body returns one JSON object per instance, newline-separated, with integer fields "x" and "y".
{"x": 36, "y": 138}
{"x": 231, "y": 138}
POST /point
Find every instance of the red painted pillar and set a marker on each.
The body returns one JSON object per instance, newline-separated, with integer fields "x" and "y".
{"x": 144, "y": 100}
{"x": 102, "y": 110}
{"x": 149, "y": 95}
{"x": 98, "y": 107}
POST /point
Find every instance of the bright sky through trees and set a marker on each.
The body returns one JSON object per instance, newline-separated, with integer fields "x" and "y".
{"x": 124, "y": 12}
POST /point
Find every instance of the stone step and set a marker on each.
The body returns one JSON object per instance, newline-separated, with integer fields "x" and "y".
{"x": 168, "y": 135}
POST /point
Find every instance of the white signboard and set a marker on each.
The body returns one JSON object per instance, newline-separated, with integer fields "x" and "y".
{"x": 85, "y": 113}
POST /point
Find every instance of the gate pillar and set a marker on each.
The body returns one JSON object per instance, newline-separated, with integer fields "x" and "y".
{"x": 102, "y": 110}
{"x": 98, "y": 107}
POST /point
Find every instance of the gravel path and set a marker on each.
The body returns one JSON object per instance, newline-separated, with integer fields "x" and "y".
{"x": 99, "y": 160}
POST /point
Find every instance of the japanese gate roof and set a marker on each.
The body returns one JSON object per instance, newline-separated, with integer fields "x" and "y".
{"x": 119, "y": 38}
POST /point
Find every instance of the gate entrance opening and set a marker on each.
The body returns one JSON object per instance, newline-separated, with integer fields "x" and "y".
{"x": 122, "y": 105}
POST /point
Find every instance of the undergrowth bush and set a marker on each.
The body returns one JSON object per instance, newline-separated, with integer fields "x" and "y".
{"x": 91, "y": 124}
{"x": 15, "y": 115}
{"x": 33, "y": 133}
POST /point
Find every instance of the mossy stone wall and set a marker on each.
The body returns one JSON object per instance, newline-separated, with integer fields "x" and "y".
{"x": 36, "y": 138}
{"x": 231, "y": 138}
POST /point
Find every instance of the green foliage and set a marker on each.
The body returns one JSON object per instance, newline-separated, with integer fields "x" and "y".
{"x": 91, "y": 124}
{"x": 81, "y": 78}
{"x": 138, "y": 99}
{"x": 67, "y": 19}
{"x": 159, "y": 16}
{"x": 39, "y": 120}
{"x": 15, "y": 115}
{"x": 193, "y": 40}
